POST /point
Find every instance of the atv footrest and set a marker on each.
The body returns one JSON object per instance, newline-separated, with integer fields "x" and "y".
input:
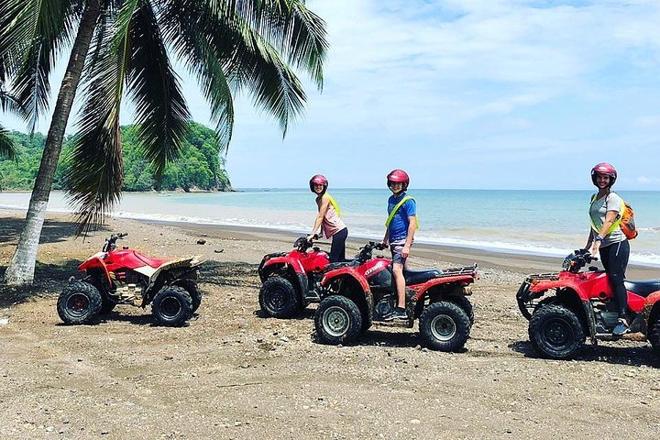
{"x": 395, "y": 323}
{"x": 628, "y": 336}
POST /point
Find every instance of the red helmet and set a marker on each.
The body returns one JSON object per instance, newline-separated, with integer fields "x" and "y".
{"x": 604, "y": 169}
{"x": 318, "y": 179}
{"x": 398, "y": 176}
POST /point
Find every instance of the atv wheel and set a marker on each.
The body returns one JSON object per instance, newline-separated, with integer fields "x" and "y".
{"x": 172, "y": 306}
{"x": 278, "y": 298}
{"x": 79, "y": 303}
{"x": 193, "y": 290}
{"x": 555, "y": 331}
{"x": 338, "y": 320}
{"x": 444, "y": 326}
{"x": 464, "y": 304}
{"x": 654, "y": 334}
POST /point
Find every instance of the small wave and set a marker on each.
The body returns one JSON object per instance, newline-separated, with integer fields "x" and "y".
{"x": 642, "y": 258}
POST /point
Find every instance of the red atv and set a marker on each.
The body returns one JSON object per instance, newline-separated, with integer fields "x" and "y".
{"x": 127, "y": 277}
{"x": 292, "y": 280}
{"x": 563, "y": 308}
{"x": 361, "y": 292}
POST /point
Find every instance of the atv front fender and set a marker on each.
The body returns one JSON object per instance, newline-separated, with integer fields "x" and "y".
{"x": 290, "y": 266}
{"x": 96, "y": 263}
{"x": 545, "y": 285}
{"x": 267, "y": 265}
{"x": 343, "y": 272}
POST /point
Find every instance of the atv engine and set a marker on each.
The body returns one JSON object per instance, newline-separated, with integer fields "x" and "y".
{"x": 384, "y": 307}
{"x": 129, "y": 286}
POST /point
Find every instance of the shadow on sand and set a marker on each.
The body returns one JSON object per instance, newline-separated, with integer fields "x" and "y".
{"x": 49, "y": 280}
{"x": 53, "y": 230}
{"x": 633, "y": 356}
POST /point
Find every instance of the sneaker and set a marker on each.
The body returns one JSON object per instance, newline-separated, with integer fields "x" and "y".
{"x": 621, "y": 328}
{"x": 399, "y": 313}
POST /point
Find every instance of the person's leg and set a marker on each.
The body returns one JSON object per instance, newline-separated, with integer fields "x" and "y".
{"x": 338, "y": 248}
{"x": 400, "y": 282}
{"x": 618, "y": 263}
{"x": 605, "y": 257}
{"x": 398, "y": 263}
{"x": 617, "y": 257}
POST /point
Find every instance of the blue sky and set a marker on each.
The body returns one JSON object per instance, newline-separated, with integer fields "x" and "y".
{"x": 465, "y": 94}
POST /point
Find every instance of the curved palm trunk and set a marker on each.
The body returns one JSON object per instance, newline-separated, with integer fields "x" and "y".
{"x": 21, "y": 267}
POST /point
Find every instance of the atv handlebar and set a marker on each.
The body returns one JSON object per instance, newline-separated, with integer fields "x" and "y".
{"x": 302, "y": 243}
{"x": 367, "y": 251}
{"x": 109, "y": 244}
{"x": 577, "y": 260}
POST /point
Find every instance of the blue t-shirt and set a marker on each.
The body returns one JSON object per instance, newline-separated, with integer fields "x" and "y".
{"x": 399, "y": 226}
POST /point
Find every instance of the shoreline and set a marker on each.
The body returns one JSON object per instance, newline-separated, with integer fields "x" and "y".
{"x": 510, "y": 262}
{"x": 258, "y": 214}
{"x": 519, "y": 263}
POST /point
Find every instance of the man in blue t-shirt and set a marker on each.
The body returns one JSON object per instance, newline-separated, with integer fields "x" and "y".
{"x": 399, "y": 235}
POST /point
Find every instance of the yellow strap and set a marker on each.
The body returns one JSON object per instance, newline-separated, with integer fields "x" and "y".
{"x": 396, "y": 209}
{"x": 334, "y": 204}
{"x": 616, "y": 223}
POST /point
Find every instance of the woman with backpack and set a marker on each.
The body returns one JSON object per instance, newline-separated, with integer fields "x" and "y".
{"x": 607, "y": 239}
{"x": 328, "y": 219}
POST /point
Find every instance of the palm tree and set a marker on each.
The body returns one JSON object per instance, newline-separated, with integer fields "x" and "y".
{"x": 122, "y": 47}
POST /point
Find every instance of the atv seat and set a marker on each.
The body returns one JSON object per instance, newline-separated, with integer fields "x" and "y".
{"x": 420, "y": 276}
{"x": 642, "y": 288}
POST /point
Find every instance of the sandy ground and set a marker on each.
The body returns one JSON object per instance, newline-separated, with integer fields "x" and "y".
{"x": 233, "y": 374}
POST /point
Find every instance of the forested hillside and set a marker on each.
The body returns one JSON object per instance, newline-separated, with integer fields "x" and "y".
{"x": 200, "y": 166}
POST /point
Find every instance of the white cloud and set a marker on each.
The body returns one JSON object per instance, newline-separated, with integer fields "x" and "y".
{"x": 648, "y": 180}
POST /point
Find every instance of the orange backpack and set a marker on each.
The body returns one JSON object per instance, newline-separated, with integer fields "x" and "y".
{"x": 625, "y": 220}
{"x": 628, "y": 222}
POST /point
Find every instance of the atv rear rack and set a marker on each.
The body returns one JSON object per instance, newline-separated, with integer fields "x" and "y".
{"x": 454, "y": 271}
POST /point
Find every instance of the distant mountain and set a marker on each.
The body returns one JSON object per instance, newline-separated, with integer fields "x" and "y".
{"x": 200, "y": 166}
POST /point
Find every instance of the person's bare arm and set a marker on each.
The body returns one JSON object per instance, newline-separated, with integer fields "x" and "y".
{"x": 323, "y": 209}
{"x": 610, "y": 218}
{"x": 412, "y": 227}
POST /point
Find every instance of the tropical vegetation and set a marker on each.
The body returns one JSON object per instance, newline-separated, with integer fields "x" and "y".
{"x": 200, "y": 165}
{"x": 124, "y": 48}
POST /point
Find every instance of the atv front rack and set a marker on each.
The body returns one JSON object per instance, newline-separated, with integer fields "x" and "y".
{"x": 550, "y": 276}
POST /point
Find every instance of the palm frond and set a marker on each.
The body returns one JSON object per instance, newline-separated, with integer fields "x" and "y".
{"x": 206, "y": 64}
{"x": 275, "y": 88}
{"x": 95, "y": 175}
{"x": 248, "y": 59}
{"x": 295, "y": 31}
{"x": 7, "y": 148}
{"x": 35, "y": 33}
{"x": 102, "y": 35}
{"x": 161, "y": 112}
{"x": 9, "y": 102}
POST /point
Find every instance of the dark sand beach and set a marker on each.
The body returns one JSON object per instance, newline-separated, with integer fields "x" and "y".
{"x": 233, "y": 374}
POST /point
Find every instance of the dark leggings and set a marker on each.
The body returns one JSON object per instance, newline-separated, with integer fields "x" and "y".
{"x": 615, "y": 261}
{"x": 338, "y": 247}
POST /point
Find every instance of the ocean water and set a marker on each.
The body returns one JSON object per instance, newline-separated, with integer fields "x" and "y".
{"x": 527, "y": 222}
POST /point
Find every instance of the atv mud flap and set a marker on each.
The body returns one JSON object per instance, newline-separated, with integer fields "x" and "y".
{"x": 591, "y": 321}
